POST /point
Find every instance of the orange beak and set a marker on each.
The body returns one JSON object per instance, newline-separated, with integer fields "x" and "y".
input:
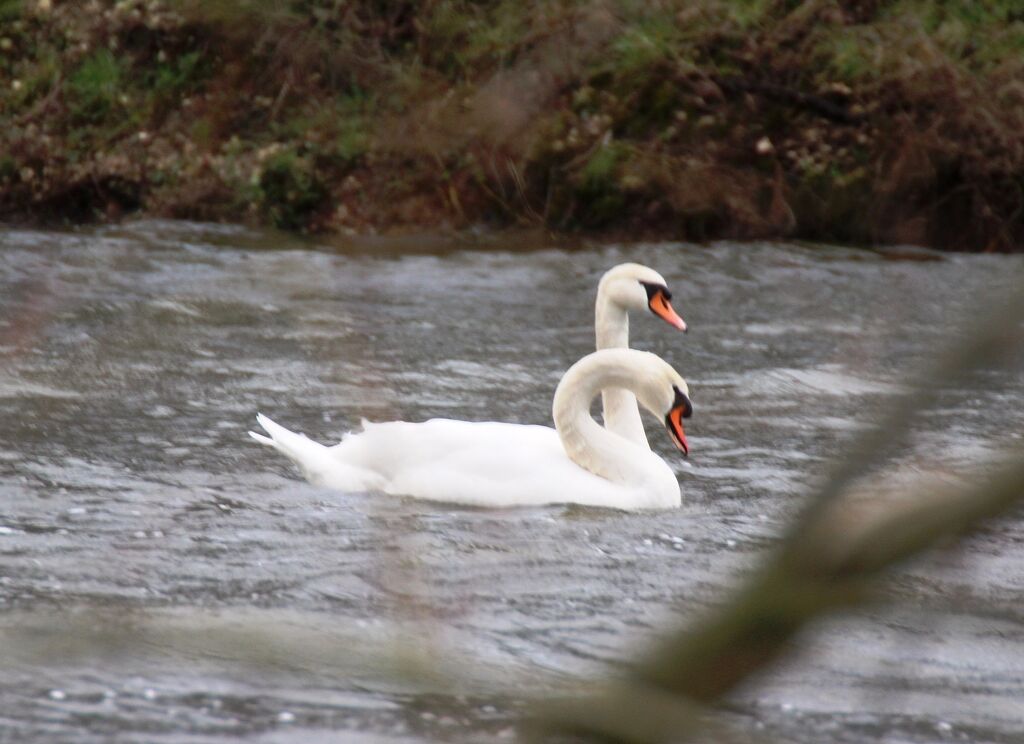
{"x": 674, "y": 422}
{"x": 661, "y": 307}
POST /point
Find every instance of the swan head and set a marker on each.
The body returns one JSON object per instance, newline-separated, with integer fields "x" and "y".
{"x": 663, "y": 392}
{"x": 633, "y": 286}
{"x": 658, "y": 388}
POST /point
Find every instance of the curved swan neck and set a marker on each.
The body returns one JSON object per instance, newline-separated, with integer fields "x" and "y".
{"x": 597, "y": 449}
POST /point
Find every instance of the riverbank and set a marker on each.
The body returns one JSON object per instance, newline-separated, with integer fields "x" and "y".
{"x": 852, "y": 121}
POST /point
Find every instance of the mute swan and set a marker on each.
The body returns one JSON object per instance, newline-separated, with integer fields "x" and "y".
{"x": 628, "y": 286}
{"x": 498, "y": 464}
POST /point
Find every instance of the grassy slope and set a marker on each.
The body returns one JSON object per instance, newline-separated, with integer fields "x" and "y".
{"x": 849, "y": 120}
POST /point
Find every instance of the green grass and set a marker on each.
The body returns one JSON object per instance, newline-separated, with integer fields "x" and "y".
{"x": 10, "y": 10}
{"x": 94, "y": 88}
{"x": 852, "y": 55}
{"x": 978, "y": 35}
{"x": 652, "y": 41}
{"x": 918, "y": 35}
{"x": 171, "y": 78}
{"x": 342, "y": 129}
{"x": 462, "y": 37}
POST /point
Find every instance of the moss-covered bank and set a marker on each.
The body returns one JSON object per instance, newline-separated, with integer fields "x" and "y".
{"x": 859, "y": 121}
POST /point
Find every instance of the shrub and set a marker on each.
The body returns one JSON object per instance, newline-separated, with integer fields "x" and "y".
{"x": 290, "y": 190}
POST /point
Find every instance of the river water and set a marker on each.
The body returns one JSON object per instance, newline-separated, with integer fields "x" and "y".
{"x": 165, "y": 579}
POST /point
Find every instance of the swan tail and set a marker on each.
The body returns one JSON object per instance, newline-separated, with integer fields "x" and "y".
{"x": 320, "y": 465}
{"x": 311, "y": 457}
{"x": 262, "y": 439}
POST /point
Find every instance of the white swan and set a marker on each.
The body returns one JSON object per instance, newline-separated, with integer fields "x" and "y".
{"x": 499, "y": 464}
{"x": 628, "y": 286}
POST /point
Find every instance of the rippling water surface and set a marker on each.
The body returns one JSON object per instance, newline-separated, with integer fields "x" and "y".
{"x": 163, "y": 578}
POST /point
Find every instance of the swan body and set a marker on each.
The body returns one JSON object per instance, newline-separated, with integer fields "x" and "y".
{"x": 626, "y": 287}
{"x": 499, "y": 464}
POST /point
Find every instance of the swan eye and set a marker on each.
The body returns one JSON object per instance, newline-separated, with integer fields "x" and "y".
{"x": 653, "y": 289}
{"x": 682, "y": 400}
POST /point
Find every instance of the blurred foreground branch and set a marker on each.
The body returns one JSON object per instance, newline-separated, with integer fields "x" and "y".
{"x": 829, "y": 560}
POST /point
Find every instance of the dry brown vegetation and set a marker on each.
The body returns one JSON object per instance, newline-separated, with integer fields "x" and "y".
{"x": 860, "y": 121}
